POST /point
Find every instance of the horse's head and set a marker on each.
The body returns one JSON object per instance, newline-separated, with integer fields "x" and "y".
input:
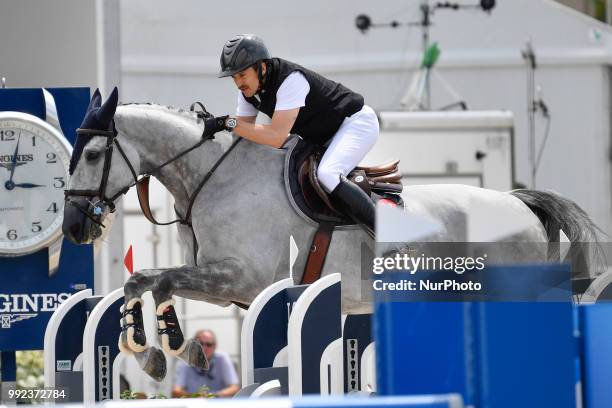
{"x": 101, "y": 170}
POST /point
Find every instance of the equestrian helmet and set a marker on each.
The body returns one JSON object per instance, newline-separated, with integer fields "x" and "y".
{"x": 241, "y": 52}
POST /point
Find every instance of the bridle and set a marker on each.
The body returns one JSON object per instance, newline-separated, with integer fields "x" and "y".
{"x": 95, "y": 210}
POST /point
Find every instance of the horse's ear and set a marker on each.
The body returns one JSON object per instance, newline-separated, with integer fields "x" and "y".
{"x": 95, "y": 100}
{"x": 107, "y": 111}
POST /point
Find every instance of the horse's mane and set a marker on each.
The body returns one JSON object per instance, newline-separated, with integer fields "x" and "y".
{"x": 183, "y": 113}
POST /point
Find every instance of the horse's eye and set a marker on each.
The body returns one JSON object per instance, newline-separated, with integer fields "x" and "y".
{"x": 92, "y": 155}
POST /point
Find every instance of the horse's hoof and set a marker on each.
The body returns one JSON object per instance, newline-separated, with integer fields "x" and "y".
{"x": 169, "y": 330}
{"x": 194, "y": 355}
{"x": 133, "y": 335}
{"x": 152, "y": 362}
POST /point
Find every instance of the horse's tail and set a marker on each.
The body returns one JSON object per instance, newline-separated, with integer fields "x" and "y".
{"x": 559, "y": 213}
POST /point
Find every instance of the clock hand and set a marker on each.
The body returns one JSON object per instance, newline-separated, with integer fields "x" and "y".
{"x": 14, "y": 161}
{"x": 9, "y": 165}
{"x": 27, "y": 185}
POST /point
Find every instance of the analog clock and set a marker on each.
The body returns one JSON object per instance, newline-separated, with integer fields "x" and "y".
{"x": 34, "y": 160}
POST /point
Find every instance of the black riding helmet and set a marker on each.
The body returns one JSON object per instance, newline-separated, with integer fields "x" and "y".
{"x": 241, "y": 52}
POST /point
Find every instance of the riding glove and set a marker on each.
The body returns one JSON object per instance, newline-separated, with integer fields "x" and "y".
{"x": 214, "y": 125}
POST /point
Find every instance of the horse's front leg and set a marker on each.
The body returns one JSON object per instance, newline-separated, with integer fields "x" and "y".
{"x": 132, "y": 339}
{"x": 212, "y": 282}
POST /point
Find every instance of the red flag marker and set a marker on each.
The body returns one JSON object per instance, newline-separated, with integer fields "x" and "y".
{"x": 128, "y": 261}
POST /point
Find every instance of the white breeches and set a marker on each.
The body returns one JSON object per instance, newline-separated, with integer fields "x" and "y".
{"x": 348, "y": 147}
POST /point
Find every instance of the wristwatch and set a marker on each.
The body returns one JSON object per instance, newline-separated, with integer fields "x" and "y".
{"x": 230, "y": 124}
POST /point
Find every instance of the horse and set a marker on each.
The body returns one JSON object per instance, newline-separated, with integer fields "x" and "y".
{"x": 235, "y": 225}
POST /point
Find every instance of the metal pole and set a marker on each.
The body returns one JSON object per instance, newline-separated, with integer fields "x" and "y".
{"x": 530, "y": 60}
{"x": 532, "y": 139}
{"x": 425, "y": 23}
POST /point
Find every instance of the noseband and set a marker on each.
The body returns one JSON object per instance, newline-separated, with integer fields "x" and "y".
{"x": 94, "y": 212}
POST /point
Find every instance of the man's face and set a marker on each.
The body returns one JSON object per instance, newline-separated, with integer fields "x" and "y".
{"x": 247, "y": 81}
{"x": 208, "y": 342}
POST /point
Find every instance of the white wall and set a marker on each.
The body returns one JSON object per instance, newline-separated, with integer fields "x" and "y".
{"x": 59, "y": 43}
{"x": 35, "y": 53}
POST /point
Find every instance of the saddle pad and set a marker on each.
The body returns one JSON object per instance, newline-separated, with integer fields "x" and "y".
{"x": 297, "y": 152}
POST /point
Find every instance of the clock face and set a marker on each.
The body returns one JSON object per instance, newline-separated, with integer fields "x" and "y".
{"x": 34, "y": 159}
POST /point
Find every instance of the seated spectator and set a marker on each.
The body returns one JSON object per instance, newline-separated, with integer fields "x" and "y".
{"x": 221, "y": 377}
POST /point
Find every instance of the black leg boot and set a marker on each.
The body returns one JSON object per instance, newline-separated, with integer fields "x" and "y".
{"x": 356, "y": 204}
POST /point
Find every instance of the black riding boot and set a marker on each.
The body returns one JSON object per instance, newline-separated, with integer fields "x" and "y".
{"x": 356, "y": 204}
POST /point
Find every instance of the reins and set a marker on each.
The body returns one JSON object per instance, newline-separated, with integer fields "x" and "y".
{"x": 142, "y": 184}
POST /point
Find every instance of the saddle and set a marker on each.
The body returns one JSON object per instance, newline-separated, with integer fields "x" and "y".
{"x": 381, "y": 182}
{"x": 308, "y": 196}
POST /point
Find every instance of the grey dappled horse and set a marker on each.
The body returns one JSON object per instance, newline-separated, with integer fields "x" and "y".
{"x": 242, "y": 218}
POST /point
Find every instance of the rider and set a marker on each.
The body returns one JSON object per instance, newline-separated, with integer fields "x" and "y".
{"x": 301, "y": 101}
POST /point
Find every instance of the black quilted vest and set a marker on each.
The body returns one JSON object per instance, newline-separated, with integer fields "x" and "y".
{"x": 327, "y": 104}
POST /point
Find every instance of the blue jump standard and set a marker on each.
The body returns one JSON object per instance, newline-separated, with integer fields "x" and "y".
{"x": 496, "y": 354}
